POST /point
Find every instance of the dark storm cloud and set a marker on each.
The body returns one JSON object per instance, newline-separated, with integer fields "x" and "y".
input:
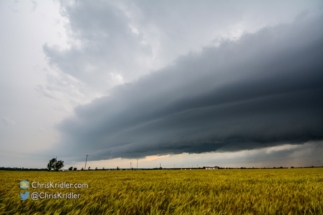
{"x": 263, "y": 90}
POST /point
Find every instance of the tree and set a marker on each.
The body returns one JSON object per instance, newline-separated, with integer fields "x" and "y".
{"x": 82, "y": 169}
{"x": 51, "y": 164}
{"x": 59, "y": 165}
{"x": 89, "y": 168}
{"x": 96, "y": 168}
{"x": 70, "y": 169}
{"x": 54, "y": 164}
{"x": 75, "y": 169}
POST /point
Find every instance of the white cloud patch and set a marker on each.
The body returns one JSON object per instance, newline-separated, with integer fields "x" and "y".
{"x": 286, "y": 147}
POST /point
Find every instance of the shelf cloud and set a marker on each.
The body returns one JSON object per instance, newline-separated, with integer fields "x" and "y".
{"x": 262, "y": 90}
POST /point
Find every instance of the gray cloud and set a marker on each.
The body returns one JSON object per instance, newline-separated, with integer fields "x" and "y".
{"x": 307, "y": 154}
{"x": 262, "y": 90}
{"x": 118, "y": 42}
{"x": 224, "y": 99}
{"x": 106, "y": 42}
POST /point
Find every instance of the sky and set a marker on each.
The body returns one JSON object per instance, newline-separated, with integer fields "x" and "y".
{"x": 165, "y": 83}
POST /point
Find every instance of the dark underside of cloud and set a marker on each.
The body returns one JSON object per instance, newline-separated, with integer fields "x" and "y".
{"x": 263, "y": 90}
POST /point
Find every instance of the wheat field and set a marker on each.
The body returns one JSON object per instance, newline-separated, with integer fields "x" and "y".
{"x": 224, "y": 191}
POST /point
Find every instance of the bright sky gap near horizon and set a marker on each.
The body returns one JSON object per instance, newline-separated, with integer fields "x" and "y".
{"x": 184, "y": 83}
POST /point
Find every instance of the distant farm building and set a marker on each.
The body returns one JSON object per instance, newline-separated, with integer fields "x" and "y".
{"x": 211, "y": 167}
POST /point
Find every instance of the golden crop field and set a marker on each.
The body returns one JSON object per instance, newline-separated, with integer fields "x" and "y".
{"x": 247, "y": 191}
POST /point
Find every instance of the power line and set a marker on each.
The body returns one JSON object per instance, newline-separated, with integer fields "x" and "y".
{"x": 85, "y": 161}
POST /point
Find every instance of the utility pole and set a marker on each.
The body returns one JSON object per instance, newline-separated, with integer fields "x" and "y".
{"x": 85, "y": 162}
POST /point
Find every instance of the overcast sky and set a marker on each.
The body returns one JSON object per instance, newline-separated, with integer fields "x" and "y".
{"x": 184, "y": 83}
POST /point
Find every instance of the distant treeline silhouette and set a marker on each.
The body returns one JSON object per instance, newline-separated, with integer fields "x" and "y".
{"x": 21, "y": 169}
{"x": 157, "y": 168}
